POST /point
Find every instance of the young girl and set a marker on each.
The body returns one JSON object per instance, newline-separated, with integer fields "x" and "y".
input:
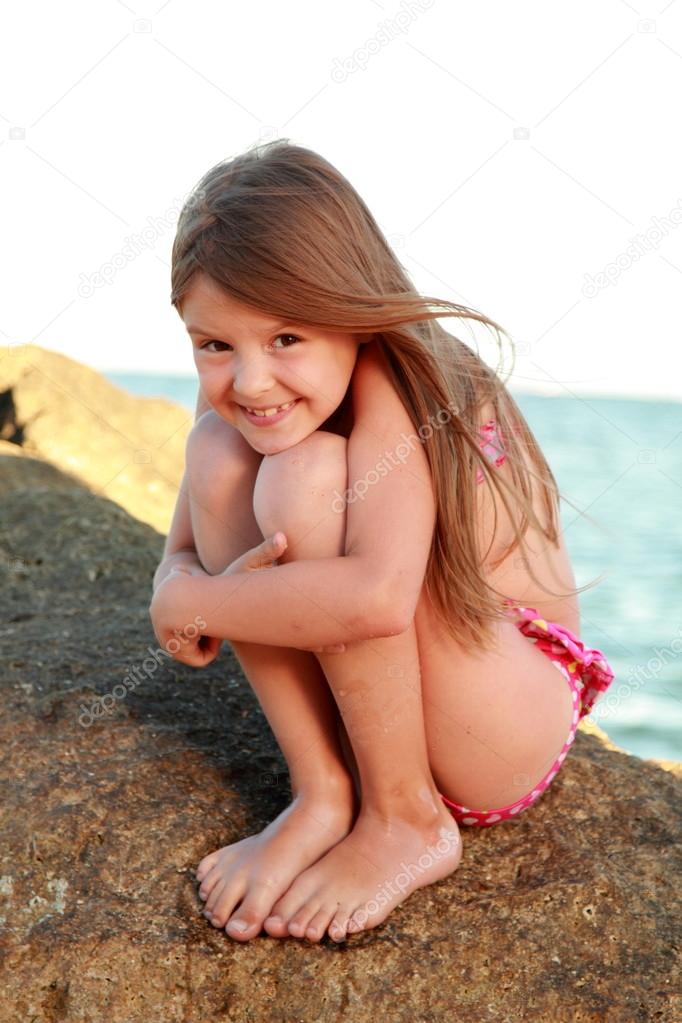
{"x": 410, "y": 623}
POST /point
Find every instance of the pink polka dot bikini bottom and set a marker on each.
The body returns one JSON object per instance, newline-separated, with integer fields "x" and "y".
{"x": 588, "y": 674}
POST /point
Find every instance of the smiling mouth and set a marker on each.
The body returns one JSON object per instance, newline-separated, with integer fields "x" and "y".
{"x": 266, "y": 413}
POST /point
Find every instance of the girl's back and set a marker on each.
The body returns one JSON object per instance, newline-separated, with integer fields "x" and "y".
{"x": 552, "y": 565}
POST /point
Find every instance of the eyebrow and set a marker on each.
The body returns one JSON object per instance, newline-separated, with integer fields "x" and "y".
{"x": 194, "y": 329}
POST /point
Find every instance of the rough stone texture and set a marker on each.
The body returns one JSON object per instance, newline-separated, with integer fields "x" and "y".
{"x": 570, "y": 912}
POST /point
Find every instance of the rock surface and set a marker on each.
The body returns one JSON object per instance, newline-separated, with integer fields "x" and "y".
{"x": 570, "y": 912}
{"x": 128, "y": 449}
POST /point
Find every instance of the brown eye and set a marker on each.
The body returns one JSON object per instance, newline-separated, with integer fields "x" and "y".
{"x": 207, "y": 343}
{"x": 293, "y": 336}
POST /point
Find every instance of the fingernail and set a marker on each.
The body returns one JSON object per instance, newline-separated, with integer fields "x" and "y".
{"x": 237, "y": 925}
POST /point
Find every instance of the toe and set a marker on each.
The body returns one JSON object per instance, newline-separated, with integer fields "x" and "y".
{"x": 294, "y": 899}
{"x": 319, "y": 923}
{"x": 217, "y": 896}
{"x": 283, "y": 908}
{"x": 243, "y": 925}
{"x": 301, "y": 919}
{"x": 223, "y": 905}
{"x": 358, "y": 921}
{"x": 338, "y": 928}
{"x": 256, "y": 905}
{"x": 210, "y": 881}
{"x": 205, "y": 865}
{"x": 276, "y": 926}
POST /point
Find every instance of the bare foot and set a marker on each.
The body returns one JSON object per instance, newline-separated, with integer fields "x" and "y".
{"x": 363, "y": 878}
{"x": 254, "y": 872}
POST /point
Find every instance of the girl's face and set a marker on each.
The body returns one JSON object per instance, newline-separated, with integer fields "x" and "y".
{"x": 248, "y": 360}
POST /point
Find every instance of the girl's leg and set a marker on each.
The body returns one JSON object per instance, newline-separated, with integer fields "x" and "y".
{"x": 289, "y": 683}
{"x": 417, "y": 708}
{"x": 404, "y": 837}
{"x": 494, "y": 722}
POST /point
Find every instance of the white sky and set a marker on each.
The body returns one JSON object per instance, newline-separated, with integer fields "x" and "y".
{"x": 510, "y": 152}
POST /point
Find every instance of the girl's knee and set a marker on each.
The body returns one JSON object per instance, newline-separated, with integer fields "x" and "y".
{"x": 294, "y": 488}
{"x": 321, "y": 459}
{"x": 214, "y": 446}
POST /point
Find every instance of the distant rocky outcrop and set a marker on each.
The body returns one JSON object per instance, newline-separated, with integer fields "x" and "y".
{"x": 128, "y": 449}
{"x": 569, "y": 912}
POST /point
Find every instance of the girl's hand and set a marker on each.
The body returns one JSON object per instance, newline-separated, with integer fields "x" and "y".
{"x": 264, "y": 555}
{"x": 175, "y": 628}
{"x": 186, "y": 559}
{"x": 189, "y": 568}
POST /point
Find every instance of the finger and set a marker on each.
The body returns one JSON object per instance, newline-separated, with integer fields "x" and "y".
{"x": 269, "y": 550}
{"x": 276, "y": 543}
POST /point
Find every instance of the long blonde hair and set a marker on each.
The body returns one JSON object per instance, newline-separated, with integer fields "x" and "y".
{"x": 281, "y": 230}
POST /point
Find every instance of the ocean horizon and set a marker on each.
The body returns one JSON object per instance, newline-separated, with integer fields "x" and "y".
{"x": 618, "y": 464}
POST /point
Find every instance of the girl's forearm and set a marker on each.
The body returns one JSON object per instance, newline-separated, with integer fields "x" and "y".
{"x": 182, "y": 557}
{"x": 302, "y": 604}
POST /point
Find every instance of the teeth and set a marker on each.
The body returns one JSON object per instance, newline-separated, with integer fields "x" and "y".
{"x": 269, "y": 411}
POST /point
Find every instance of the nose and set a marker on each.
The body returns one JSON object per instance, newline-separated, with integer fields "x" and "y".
{"x": 252, "y": 379}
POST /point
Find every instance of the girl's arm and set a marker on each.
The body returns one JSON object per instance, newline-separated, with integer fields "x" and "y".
{"x": 374, "y": 588}
{"x": 392, "y": 518}
{"x": 179, "y": 547}
{"x": 304, "y": 604}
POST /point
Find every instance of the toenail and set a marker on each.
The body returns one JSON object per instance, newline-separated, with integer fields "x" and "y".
{"x": 275, "y": 920}
{"x": 238, "y": 925}
{"x": 209, "y": 916}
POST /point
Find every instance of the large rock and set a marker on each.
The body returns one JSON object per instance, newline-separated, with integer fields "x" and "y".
{"x": 568, "y": 912}
{"x": 128, "y": 449}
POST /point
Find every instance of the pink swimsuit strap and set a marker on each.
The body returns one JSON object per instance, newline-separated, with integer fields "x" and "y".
{"x": 492, "y": 445}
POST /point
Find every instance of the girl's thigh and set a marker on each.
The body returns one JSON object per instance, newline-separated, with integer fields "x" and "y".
{"x": 494, "y": 720}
